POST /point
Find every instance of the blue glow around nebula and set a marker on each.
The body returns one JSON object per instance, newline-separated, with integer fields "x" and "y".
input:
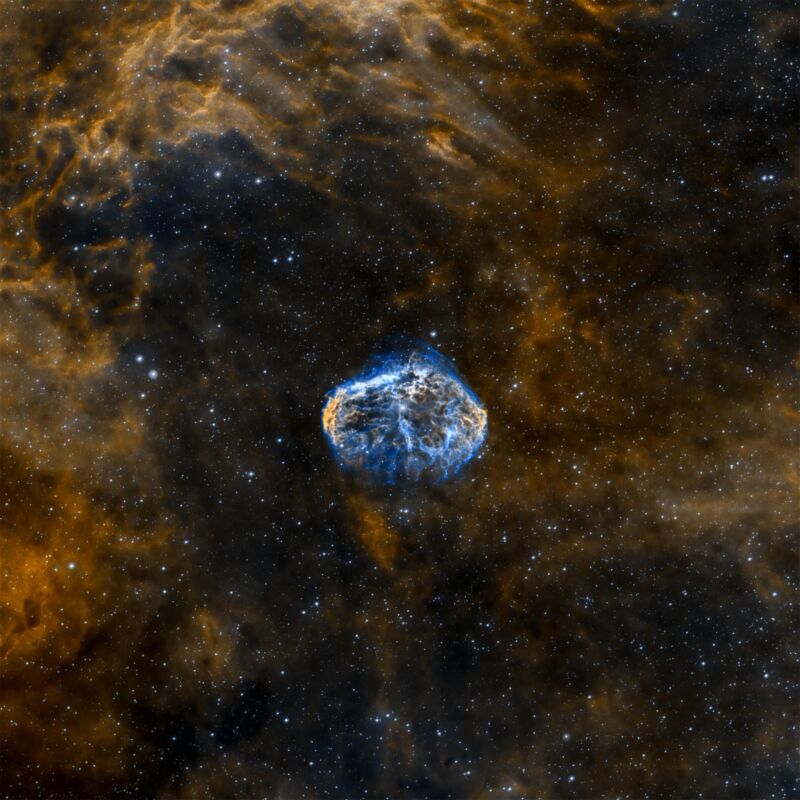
{"x": 406, "y": 417}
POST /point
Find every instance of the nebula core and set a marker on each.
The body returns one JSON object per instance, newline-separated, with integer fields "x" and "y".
{"x": 213, "y": 214}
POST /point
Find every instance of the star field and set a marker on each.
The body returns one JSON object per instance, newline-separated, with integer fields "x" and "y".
{"x": 214, "y": 212}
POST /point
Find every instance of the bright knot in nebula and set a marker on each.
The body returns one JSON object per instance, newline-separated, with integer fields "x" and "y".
{"x": 407, "y": 416}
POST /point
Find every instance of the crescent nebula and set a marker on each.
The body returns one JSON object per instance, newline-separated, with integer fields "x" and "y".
{"x": 407, "y": 416}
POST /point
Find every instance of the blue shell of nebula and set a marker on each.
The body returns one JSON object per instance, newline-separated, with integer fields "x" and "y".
{"x": 406, "y": 417}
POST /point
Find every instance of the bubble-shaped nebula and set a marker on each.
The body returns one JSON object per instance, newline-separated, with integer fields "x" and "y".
{"x": 407, "y": 416}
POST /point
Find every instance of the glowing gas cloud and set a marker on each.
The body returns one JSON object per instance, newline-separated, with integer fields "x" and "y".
{"x": 407, "y": 416}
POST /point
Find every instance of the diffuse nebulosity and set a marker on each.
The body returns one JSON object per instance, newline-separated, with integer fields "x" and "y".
{"x": 214, "y": 210}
